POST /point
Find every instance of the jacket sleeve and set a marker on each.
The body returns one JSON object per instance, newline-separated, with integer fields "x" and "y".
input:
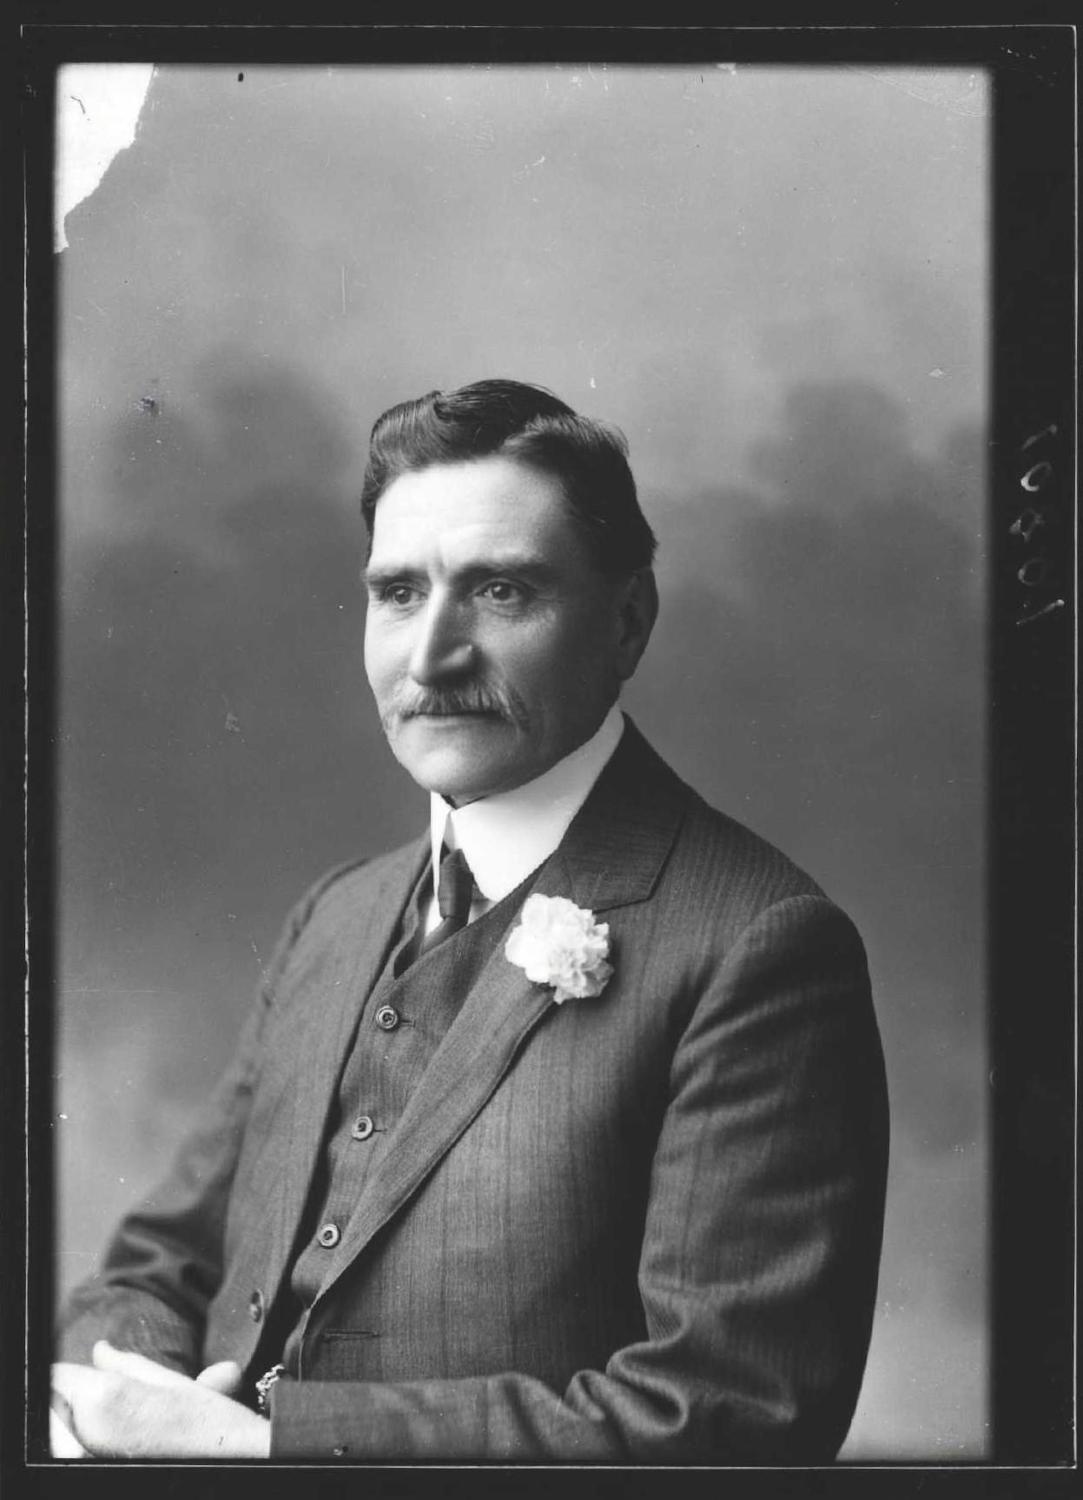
{"x": 164, "y": 1263}
{"x": 760, "y": 1251}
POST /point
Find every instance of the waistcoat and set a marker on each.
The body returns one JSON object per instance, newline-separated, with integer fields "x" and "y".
{"x": 401, "y": 1024}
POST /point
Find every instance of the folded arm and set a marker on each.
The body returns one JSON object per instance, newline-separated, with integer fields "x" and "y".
{"x": 758, "y": 1267}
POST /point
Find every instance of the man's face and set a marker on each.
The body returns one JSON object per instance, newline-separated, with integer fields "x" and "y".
{"x": 493, "y": 645}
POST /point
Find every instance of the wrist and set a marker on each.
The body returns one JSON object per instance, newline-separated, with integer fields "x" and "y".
{"x": 250, "y": 1440}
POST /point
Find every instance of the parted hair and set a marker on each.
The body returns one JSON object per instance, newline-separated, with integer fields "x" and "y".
{"x": 527, "y": 423}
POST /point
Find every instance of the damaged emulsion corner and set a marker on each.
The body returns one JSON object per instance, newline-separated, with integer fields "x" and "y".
{"x": 98, "y": 108}
{"x": 98, "y": 111}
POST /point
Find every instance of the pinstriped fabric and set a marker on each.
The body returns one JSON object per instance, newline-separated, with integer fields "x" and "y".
{"x": 381, "y": 1073}
{"x": 641, "y": 1227}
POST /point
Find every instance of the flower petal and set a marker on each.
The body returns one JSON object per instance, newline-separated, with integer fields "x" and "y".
{"x": 560, "y": 944}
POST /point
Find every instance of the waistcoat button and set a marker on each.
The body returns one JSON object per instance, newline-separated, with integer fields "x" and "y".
{"x": 362, "y": 1128}
{"x": 255, "y": 1305}
{"x": 387, "y": 1018}
{"x": 329, "y": 1236}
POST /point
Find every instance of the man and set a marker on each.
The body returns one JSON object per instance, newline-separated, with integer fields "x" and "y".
{"x": 559, "y": 1134}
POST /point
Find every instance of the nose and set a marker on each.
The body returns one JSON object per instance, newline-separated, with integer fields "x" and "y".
{"x": 442, "y": 648}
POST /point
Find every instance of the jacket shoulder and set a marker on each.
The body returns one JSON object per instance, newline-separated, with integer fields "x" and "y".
{"x": 333, "y": 901}
{"x": 356, "y": 878}
{"x": 723, "y": 870}
{"x": 751, "y": 861}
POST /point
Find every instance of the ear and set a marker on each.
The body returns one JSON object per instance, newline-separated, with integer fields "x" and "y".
{"x": 638, "y": 610}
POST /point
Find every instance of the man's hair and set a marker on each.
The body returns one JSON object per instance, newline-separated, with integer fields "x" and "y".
{"x": 507, "y": 419}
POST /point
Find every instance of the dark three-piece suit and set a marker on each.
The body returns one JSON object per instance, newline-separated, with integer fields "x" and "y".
{"x": 475, "y": 1224}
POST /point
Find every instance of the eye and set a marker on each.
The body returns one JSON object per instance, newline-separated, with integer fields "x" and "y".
{"x": 398, "y": 594}
{"x": 503, "y": 591}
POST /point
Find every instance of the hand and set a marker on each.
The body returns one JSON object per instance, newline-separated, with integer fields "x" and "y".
{"x": 128, "y": 1406}
{"x": 224, "y": 1376}
{"x": 61, "y": 1442}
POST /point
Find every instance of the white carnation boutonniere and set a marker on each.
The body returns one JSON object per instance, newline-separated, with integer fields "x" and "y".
{"x": 560, "y": 944}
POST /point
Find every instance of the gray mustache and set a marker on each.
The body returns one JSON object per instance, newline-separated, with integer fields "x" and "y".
{"x": 471, "y": 699}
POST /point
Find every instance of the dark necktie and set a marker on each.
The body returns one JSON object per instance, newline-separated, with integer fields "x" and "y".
{"x": 454, "y": 896}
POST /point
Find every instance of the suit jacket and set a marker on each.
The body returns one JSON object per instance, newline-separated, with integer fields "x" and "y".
{"x": 640, "y": 1227}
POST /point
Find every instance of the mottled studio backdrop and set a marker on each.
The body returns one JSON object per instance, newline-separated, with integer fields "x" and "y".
{"x": 775, "y": 281}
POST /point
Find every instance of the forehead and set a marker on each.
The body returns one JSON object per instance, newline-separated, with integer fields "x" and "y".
{"x": 458, "y": 512}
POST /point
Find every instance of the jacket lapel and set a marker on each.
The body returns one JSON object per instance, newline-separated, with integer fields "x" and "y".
{"x": 612, "y": 855}
{"x": 614, "y": 851}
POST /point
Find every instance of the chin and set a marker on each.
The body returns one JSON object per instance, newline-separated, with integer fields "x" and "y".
{"x": 444, "y": 772}
{"x": 462, "y": 779}
{"x": 459, "y": 766}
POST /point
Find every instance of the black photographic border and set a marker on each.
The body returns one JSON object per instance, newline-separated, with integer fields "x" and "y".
{"x": 1031, "y": 811}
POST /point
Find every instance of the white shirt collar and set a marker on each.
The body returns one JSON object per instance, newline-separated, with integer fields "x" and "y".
{"x": 506, "y": 836}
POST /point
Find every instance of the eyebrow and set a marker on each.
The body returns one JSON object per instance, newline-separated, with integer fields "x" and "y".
{"x": 521, "y": 565}
{"x": 377, "y": 578}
